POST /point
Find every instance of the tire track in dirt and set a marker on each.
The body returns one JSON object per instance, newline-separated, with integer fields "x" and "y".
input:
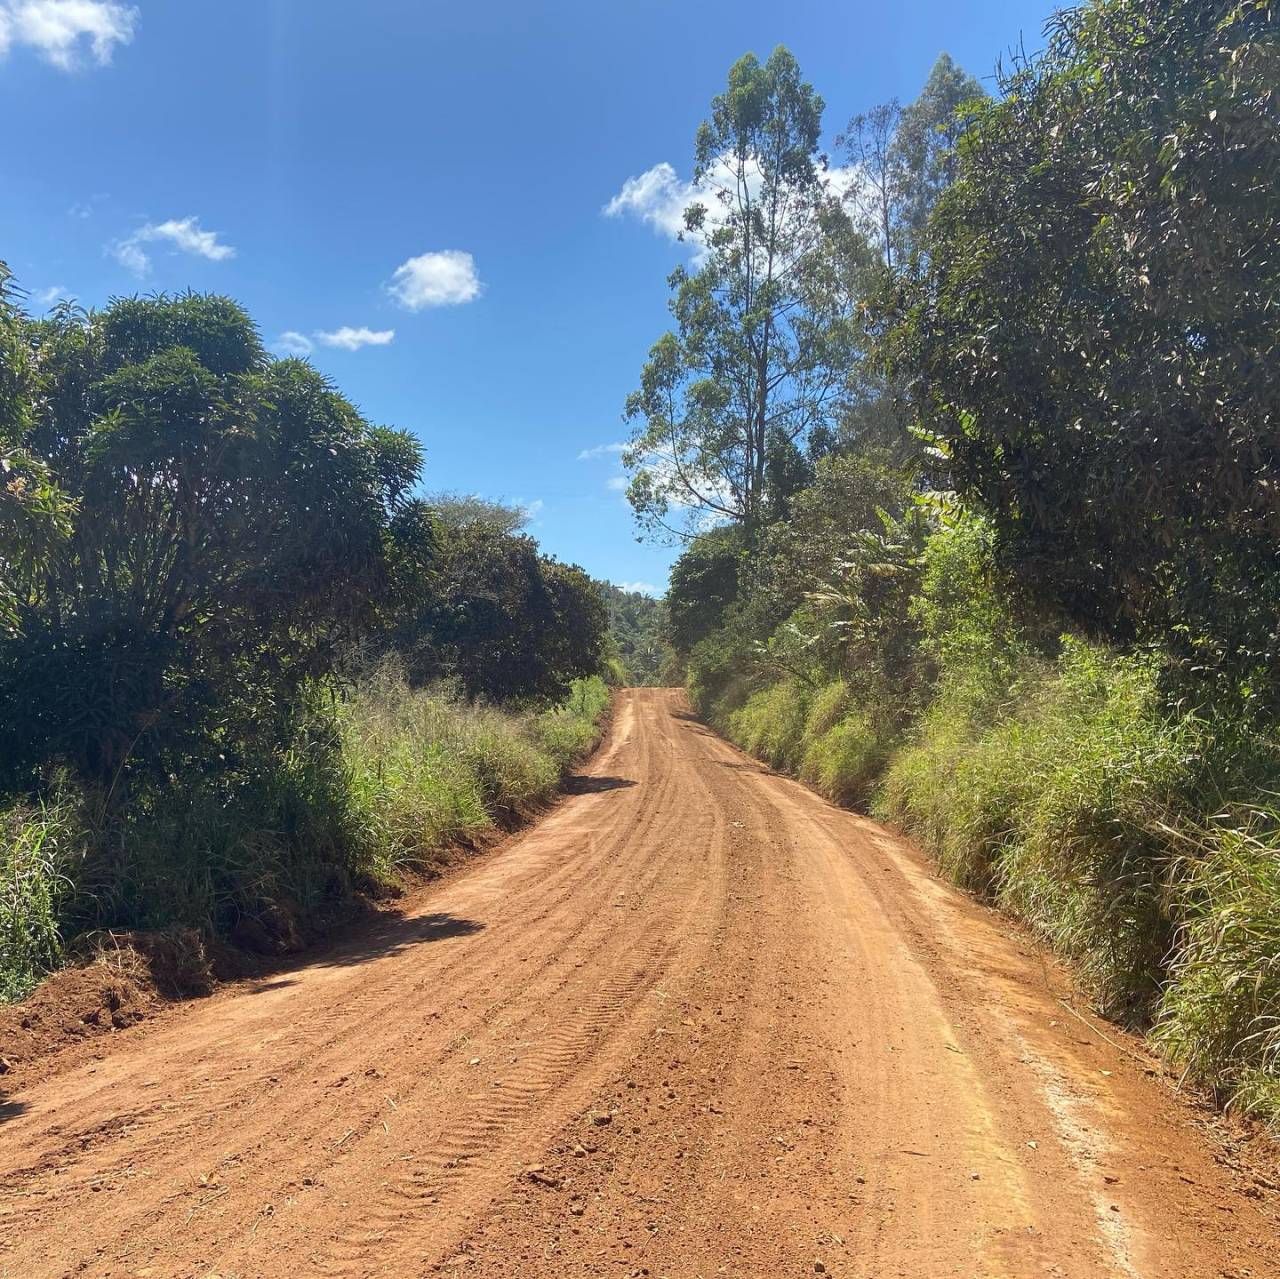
{"x": 731, "y": 1029}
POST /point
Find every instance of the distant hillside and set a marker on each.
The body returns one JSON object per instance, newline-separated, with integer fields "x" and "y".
{"x": 639, "y": 629}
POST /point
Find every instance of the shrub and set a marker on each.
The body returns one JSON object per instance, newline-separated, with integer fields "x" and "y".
{"x": 829, "y": 706}
{"x": 771, "y": 724}
{"x": 1219, "y": 1016}
{"x": 41, "y": 847}
{"x": 845, "y": 762}
{"x": 569, "y": 730}
{"x": 1056, "y": 808}
{"x": 720, "y": 674}
{"x": 273, "y": 849}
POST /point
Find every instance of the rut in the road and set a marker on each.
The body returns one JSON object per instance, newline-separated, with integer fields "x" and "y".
{"x": 734, "y": 1031}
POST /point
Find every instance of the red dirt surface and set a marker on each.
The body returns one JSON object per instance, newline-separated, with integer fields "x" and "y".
{"x": 695, "y": 1023}
{"x": 74, "y": 1006}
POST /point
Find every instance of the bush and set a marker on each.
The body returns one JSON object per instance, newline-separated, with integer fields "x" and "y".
{"x": 845, "y": 762}
{"x": 1066, "y": 790}
{"x": 568, "y": 731}
{"x": 273, "y": 850}
{"x": 1220, "y": 1014}
{"x": 771, "y": 724}
{"x": 720, "y": 674}
{"x": 41, "y": 848}
{"x": 1055, "y": 808}
{"x": 429, "y": 769}
{"x": 828, "y": 707}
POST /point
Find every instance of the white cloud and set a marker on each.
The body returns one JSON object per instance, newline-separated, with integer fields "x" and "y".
{"x": 184, "y": 234}
{"x": 642, "y": 588}
{"x": 53, "y": 294}
{"x": 617, "y": 483}
{"x": 349, "y": 339}
{"x": 291, "y": 342}
{"x": 86, "y": 208}
{"x": 601, "y": 450}
{"x": 61, "y": 30}
{"x": 660, "y": 196}
{"x": 446, "y": 278}
{"x": 187, "y": 234}
{"x": 131, "y": 257}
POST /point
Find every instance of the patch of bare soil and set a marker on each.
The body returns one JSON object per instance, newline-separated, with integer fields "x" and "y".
{"x": 113, "y": 991}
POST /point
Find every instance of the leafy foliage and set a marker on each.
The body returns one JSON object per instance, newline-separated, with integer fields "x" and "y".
{"x": 34, "y": 511}
{"x": 1092, "y": 341}
{"x": 766, "y": 330}
{"x": 200, "y": 547}
{"x": 231, "y": 524}
{"x": 271, "y": 853}
{"x": 704, "y": 583}
{"x": 905, "y": 158}
{"x": 638, "y": 623}
{"x": 1058, "y": 671}
{"x": 507, "y": 622}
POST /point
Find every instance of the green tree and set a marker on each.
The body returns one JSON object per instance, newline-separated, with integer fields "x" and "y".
{"x": 507, "y": 622}
{"x": 845, "y": 501}
{"x": 639, "y": 624}
{"x": 926, "y": 144}
{"x": 904, "y": 159}
{"x": 704, "y": 584}
{"x": 34, "y": 511}
{"x": 880, "y": 189}
{"x": 232, "y": 528}
{"x": 765, "y": 330}
{"x": 1092, "y": 344}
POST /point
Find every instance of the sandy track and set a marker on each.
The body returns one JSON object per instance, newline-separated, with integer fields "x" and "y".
{"x": 695, "y": 1023}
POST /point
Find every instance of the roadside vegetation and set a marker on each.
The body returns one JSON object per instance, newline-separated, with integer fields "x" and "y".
{"x": 637, "y": 623}
{"x": 973, "y": 459}
{"x": 247, "y": 671}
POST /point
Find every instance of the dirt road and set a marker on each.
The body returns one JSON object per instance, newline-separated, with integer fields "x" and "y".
{"x": 697, "y": 1022}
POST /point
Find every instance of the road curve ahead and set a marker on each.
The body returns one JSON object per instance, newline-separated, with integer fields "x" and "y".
{"x": 695, "y": 1023}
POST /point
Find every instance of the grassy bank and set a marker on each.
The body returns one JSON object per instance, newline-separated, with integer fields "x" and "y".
{"x": 269, "y": 852}
{"x": 1065, "y": 792}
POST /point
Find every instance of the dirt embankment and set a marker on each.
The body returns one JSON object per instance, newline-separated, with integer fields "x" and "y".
{"x": 697, "y": 1022}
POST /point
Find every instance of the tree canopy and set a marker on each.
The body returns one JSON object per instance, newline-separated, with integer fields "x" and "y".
{"x": 766, "y": 334}
{"x": 231, "y": 522}
{"x": 192, "y": 533}
{"x": 1091, "y": 344}
{"x": 505, "y": 620}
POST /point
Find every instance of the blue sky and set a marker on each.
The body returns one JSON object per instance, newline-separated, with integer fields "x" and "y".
{"x": 415, "y": 193}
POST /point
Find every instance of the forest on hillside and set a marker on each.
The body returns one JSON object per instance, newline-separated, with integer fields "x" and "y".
{"x": 968, "y": 431}
{"x": 638, "y": 625}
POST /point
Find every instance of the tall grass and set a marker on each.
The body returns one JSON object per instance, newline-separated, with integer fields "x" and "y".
{"x": 820, "y": 735}
{"x": 771, "y": 724}
{"x": 41, "y": 848}
{"x": 428, "y": 770}
{"x": 1219, "y": 1014}
{"x": 1065, "y": 791}
{"x": 1055, "y": 808}
{"x": 276, "y": 850}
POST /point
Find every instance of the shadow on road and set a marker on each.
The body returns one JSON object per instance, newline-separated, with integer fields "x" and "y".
{"x": 581, "y": 784}
{"x": 11, "y": 1110}
{"x": 262, "y": 987}
{"x": 393, "y": 934}
{"x": 762, "y": 769}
